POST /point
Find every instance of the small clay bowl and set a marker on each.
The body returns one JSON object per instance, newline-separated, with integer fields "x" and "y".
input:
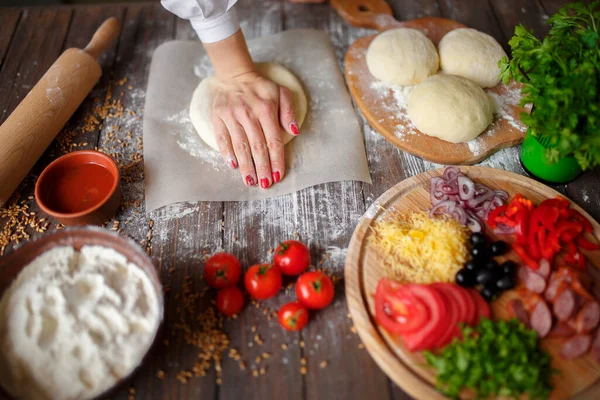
{"x": 80, "y": 188}
{"x": 12, "y": 264}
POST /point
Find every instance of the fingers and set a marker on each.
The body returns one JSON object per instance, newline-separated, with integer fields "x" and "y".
{"x": 224, "y": 142}
{"x": 259, "y": 149}
{"x": 273, "y": 136}
{"x": 287, "y": 114}
{"x": 241, "y": 148}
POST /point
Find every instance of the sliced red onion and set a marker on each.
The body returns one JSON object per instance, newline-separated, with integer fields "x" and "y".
{"x": 467, "y": 202}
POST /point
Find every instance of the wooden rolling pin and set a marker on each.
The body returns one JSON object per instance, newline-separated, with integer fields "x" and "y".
{"x": 36, "y": 121}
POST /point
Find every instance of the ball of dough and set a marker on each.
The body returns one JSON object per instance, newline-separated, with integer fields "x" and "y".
{"x": 472, "y": 54}
{"x": 204, "y": 95}
{"x": 402, "y": 56}
{"x": 450, "y": 107}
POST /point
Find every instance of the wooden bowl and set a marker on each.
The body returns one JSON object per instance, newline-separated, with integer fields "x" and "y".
{"x": 12, "y": 264}
{"x": 80, "y": 188}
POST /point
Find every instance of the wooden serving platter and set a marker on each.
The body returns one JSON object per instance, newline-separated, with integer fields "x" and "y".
{"x": 364, "y": 268}
{"x": 386, "y": 111}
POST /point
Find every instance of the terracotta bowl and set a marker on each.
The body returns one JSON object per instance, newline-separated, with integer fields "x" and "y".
{"x": 12, "y": 264}
{"x": 80, "y": 188}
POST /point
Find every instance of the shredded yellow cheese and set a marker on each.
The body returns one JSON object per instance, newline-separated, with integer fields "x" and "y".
{"x": 421, "y": 249}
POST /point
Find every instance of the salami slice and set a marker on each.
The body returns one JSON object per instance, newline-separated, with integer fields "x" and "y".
{"x": 588, "y": 317}
{"x": 541, "y": 319}
{"x": 596, "y": 347}
{"x": 576, "y": 346}
{"x": 565, "y": 305}
{"x": 518, "y": 310}
{"x": 532, "y": 281}
{"x": 562, "y": 330}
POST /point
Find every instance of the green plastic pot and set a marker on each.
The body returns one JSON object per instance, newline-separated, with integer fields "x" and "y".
{"x": 534, "y": 161}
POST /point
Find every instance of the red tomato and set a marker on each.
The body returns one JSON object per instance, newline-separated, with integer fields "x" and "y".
{"x": 292, "y": 257}
{"x": 483, "y": 308}
{"x": 453, "y": 313}
{"x": 437, "y": 323}
{"x": 230, "y": 301}
{"x": 222, "y": 270}
{"x": 293, "y": 316}
{"x": 397, "y": 309}
{"x": 471, "y": 316}
{"x": 314, "y": 290}
{"x": 263, "y": 281}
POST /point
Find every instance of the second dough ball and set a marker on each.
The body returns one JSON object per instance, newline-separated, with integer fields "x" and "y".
{"x": 472, "y": 54}
{"x": 450, "y": 107}
{"x": 402, "y": 56}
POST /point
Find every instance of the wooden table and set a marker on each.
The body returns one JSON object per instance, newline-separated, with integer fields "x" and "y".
{"x": 179, "y": 236}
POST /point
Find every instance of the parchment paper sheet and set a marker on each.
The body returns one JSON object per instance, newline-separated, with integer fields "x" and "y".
{"x": 180, "y": 167}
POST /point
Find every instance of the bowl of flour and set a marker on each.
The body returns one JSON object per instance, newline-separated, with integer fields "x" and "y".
{"x": 79, "y": 312}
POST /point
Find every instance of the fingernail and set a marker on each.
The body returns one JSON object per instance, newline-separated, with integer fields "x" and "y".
{"x": 264, "y": 183}
{"x": 294, "y": 128}
{"x": 249, "y": 180}
{"x": 276, "y": 176}
{"x": 232, "y": 163}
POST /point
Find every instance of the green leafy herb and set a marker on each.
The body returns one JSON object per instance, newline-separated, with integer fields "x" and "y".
{"x": 497, "y": 358}
{"x": 561, "y": 78}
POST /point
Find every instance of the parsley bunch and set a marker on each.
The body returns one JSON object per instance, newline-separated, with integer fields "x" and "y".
{"x": 497, "y": 358}
{"x": 561, "y": 78}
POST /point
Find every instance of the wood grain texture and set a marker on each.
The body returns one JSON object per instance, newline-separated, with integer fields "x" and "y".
{"x": 8, "y": 22}
{"x": 365, "y": 266}
{"x": 324, "y": 216}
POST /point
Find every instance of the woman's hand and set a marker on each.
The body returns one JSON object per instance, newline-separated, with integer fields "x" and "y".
{"x": 249, "y": 112}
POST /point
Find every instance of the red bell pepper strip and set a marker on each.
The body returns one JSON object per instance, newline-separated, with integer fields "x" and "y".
{"x": 583, "y": 221}
{"x": 546, "y": 251}
{"x": 547, "y": 216}
{"x": 494, "y": 214}
{"x": 567, "y": 226}
{"x": 530, "y": 262}
{"x": 557, "y": 202}
{"x": 586, "y": 244}
{"x": 570, "y": 257}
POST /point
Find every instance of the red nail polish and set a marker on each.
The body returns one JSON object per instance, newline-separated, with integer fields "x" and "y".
{"x": 249, "y": 180}
{"x": 276, "y": 176}
{"x": 294, "y": 128}
{"x": 264, "y": 183}
{"x": 233, "y": 163}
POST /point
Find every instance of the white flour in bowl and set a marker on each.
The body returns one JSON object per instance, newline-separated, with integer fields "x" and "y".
{"x": 74, "y": 323}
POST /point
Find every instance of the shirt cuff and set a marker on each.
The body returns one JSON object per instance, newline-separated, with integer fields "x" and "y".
{"x": 216, "y": 29}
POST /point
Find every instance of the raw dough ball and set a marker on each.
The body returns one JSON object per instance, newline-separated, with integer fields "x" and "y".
{"x": 204, "y": 95}
{"x": 450, "y": 107}
{"x": 472, "y": 54}
{"x": 402, "y": 56}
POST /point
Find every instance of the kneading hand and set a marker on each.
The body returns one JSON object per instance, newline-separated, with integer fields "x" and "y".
{"x": 249, "y": 112}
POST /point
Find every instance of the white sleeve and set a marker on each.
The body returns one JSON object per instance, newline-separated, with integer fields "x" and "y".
{"x": 213, "y": 20}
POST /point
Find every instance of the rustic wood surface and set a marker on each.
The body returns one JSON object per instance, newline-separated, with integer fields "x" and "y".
{"x": 323, "y": 216}
{"x": 365, "y": 266}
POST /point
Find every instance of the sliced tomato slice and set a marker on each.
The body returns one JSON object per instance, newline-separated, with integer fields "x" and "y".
{"x": 471, "y": 318}
{"x": 454, "y": 314}
{"x": 461, "y": 299}
{"x": 425, "y": 337}
{"x": 397, "y": 309}
{"x": 483, "y": 308}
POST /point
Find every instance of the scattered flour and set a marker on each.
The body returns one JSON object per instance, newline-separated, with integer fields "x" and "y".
{"x": 74, "y": 323}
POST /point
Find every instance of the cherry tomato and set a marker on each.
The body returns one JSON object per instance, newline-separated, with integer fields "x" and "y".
{"x": 263, "y": 281}
{"x": 292, "y": 257}
{"x": 314, "y": 290}
{"x": 293, "y": 316}
{"x": 230, "y": 301}
{"x": 222, "y": 270}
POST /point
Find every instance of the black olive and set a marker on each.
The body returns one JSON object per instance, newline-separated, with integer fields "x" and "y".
{"x": 489, "y": 292}
{"x": 508, "y": 268}
{"x": 485, "y": 276}
{"x": 491, "y": 264}
{"x": 479, "y": 250}
{"x": 465, "y": 278}
{"x": 498, "y": 248}
{"x": 472, "y": 266}
{"x": 505, "y": 283}
{"x": 477, "y": 238}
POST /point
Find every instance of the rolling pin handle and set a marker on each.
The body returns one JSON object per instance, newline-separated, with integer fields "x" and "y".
{"x": 106, "y": 33}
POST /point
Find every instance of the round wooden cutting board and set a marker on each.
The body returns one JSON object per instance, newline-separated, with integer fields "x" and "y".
{"x": 384, "y": 106}
{"x": 365, "y": 267}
